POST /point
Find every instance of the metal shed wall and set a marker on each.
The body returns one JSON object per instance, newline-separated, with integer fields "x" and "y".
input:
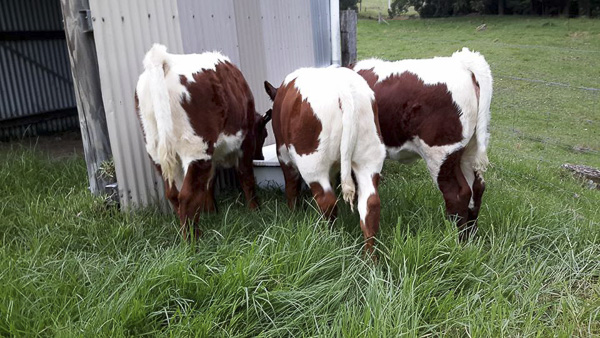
{"x": 124, "y": 31}
{"x": 36, "y": 76}
{"x": 267, "y": 39}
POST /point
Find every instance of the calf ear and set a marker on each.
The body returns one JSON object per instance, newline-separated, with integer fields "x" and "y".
{"x": 271, "y": 91}
{"x": 267, "y": 116}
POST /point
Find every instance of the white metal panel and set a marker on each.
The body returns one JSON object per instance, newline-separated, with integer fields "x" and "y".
{"x": 319, "y": 11}
{"x": 275, "y": 38}
{"x": 287, "y": 32}
{"x": 124, "y": 31}
{"x": 209, "y": 25}
{"x": 253, "y": 53}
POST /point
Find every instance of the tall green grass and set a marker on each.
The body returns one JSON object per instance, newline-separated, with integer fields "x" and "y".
{"x": 70, "y": 266}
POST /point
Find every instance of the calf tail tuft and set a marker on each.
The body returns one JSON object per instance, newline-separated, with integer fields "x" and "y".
{"x": 347, "y": 145}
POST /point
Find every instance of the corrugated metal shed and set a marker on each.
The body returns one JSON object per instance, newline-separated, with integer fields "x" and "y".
{"x": 36, "y": 79}
{"x": 267, "y": 39}
{"x": 124, "y": 31}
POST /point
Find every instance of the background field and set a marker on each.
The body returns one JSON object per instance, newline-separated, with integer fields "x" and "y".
{"x": 71, "y": 266}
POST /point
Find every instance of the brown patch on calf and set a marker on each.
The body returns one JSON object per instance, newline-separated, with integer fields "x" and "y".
{"x": 376, "y": 117}
{"x": 369, "y": 76}
{"x": 218, "y": 102}
{"x": 294, "y": 122}
{"x": 408, "y": 107}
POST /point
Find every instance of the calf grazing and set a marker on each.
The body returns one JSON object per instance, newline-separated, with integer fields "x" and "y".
{"x": 325, "y": 121}
{"x": 438, "y": 109}
{"x": 197, "y": 113}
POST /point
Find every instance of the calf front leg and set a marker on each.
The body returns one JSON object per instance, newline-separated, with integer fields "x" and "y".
{"x": 245, "y": 173}
{"x": 457, "y": 194}
{"x": 478, "y": 189}
{"x": 194, "y": 197}
{"x": 171, "y": 191}
{"x": 369, "y": 208}
{"x": 326, "y": 199}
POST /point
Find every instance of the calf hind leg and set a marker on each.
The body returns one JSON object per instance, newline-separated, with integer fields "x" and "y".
{"x": 245, "y": 171}
{"x": 369, "y": 207}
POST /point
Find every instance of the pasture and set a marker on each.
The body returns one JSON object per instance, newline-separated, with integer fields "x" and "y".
{"x": 70, "y": 266}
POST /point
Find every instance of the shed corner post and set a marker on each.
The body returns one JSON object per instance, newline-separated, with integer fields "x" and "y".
{"x": 348, "y": 21}
{"x": 86, "y": 82}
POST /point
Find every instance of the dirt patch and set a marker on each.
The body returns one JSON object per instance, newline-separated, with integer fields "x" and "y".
{"x": 56, "y": 146}
{"x": 579, "y": 35}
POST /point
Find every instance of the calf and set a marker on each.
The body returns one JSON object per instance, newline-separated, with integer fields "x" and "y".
{"x": 438, "y": 109}
{"x": 197, "y": 113}
{"x": 325, "y": 121}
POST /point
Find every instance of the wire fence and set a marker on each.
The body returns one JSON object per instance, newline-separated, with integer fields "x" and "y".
{"x": 547, "y": 140}
{"x": 549, "y": 83}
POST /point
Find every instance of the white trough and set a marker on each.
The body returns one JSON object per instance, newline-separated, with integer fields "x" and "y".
{"x": 267, "y": 172}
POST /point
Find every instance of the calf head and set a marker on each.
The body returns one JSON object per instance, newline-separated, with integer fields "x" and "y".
{"x": 260, "y": 133}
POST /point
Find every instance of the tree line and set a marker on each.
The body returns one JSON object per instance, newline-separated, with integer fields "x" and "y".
{"x": 444, "y": 8}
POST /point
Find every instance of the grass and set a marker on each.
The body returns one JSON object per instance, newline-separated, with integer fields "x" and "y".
{"x": 70, "y": 266}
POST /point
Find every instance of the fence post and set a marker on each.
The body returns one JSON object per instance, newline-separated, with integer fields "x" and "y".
{"x": 348, "y": 20}
{"x": 86, "y": 81}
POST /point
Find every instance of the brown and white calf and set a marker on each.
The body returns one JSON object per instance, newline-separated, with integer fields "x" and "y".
{"x": 325, "y": 122}
{"x": 438, "y": 109}
{"x": 197, "y": 113}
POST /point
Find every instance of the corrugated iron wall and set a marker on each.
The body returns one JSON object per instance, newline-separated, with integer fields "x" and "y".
{"x": 205, "y": 23}
{"x": 267, "y": 39}
{"x": 35, "y": 81}
{"x": 321, "y": 28}
{"x": 124, "y": 31}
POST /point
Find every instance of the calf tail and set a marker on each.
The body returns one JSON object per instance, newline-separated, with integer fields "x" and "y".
{"x": 347, "y": 145}
{"x": 155, "y": 62}
{"x": 475, "y": 62}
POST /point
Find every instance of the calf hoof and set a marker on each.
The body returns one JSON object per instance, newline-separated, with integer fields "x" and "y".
{"x": 371, "y": 255}
{"x": 253, "y": 205}
{"x": 186, "y": 231}
{"x": 369, "y": 250}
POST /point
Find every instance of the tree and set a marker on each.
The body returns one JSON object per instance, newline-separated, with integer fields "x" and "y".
{"x": 348, "y": 4}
